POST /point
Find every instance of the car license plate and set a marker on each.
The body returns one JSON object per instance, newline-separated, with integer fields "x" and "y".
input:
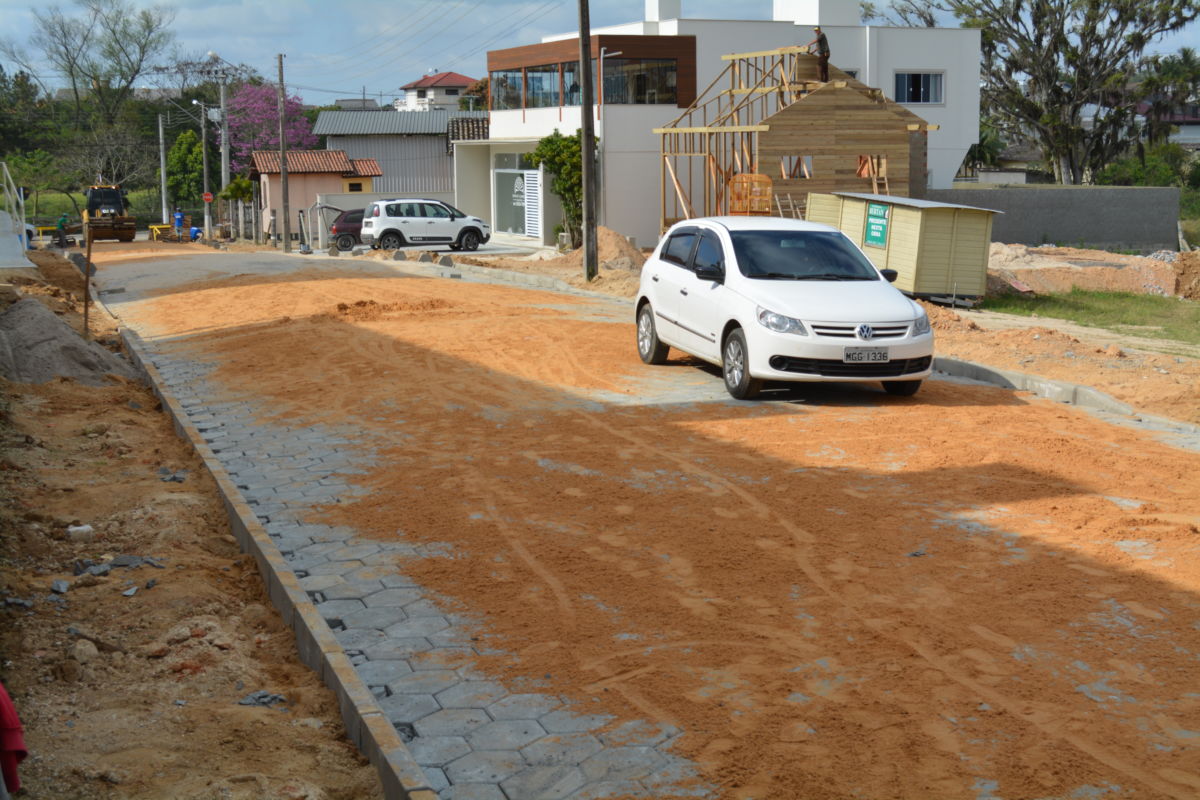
{"x": 865, "y": 355}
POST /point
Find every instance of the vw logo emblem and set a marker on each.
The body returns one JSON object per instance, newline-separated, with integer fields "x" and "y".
{"x": 864, "y": 332}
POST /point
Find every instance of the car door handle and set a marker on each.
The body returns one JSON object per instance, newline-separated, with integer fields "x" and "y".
{"x": 683, "y": 292}
{"x": 654, "y": 278}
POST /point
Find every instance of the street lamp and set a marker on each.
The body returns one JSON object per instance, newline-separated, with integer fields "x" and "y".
{"x": 223, "y": 75}
{"x": 204, "y": 155}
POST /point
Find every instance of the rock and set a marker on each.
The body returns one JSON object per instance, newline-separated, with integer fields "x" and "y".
{"x": 130, "y": 592}
{"x": 126, "y": 561}
{"x": 18, "y": 601}
{"x": 311, "y": 722}
{"x": 99, "y": 570}
{"x": 69, "y": 670}
{"x": 446, "y": 261}
{"x": 399, "y": 255}
{"x": 99, "y": 429}
{"x": 262, "y": 698}
{"x": 87, "y": 580}
{"x": 177, "y": 634}
{"x": 84, "y": 651}
{"x": 156, "y": 651}
{"x": 81, "y": 533}
{"x": 60, "y": 587}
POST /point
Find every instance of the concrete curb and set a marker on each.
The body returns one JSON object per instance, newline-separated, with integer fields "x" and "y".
{"x": 1060, "y": 391}
{"x": 366, "y": 725}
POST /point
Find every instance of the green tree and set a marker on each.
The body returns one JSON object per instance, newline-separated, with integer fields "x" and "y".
{"x": 1060, "y": 71}
{"x": 1158, "y": 165}
{"x": 22, "y": 115}
{"x": 185, "y": 169}
{"x": 40, "y": 172}
{"x": 561, "y": 156}
{"x": 475, "y": 96}
{"x": 1168, "y": 84}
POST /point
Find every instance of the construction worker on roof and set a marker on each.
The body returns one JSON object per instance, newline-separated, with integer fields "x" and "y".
{"x": 822, "y": 53}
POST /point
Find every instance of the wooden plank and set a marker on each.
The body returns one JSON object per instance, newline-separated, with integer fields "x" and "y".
{"x": 716, "y": 129}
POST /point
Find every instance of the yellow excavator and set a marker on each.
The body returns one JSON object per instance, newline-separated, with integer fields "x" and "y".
{"x": 106, "y": 215}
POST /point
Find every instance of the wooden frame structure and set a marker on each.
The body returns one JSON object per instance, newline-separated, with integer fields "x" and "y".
{"x": 768, "y": 113}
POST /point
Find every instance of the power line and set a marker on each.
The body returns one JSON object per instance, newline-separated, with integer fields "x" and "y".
{"x": 359, "y": 53}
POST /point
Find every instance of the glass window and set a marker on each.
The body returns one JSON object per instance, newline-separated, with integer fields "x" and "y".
{"x": 541, "y": 86}
{"x": 709, "y": 253}
{"x": 512, "y": 161}
{"x": 403, "y": 210}
{"x": 640, "y": 81}
{"x": 505, "y": 86}
{"x": 421, "y": 93}
{"x": 679, "y": 247}
{"x": 800, "y": 255}
{"x": 355, "y": 187}
{"x": 571, "y": 81}
{"x": 918, "y": 87}
{"x": 435, "y": 210}
{"x": 452, "y": 92}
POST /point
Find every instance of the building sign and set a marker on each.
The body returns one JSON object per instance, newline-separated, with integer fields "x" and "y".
{"x": 877, "y": 224}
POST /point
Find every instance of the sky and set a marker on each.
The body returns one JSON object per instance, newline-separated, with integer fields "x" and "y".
{"x": 373, "y": 47}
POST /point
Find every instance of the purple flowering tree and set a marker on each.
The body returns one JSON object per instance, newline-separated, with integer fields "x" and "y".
{"x": 254, "y": 123}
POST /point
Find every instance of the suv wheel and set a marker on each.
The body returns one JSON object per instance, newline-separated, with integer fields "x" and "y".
{"x": 735, "y": 366}
{"x": 391, "y": 241}
{"x": 345, "y": 241}
{"x": 469, "y": 240}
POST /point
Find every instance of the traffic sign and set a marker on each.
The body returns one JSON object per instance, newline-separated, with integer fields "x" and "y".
{"x": 208, "y": 197}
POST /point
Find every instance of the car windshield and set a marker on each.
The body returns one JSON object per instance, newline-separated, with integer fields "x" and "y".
{"x": 800, "y": 256}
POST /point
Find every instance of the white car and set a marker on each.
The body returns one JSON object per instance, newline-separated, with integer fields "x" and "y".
{"x": 768, "y": 298}
{"x": 391, "y": 224}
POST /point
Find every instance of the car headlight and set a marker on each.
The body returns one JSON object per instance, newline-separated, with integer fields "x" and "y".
{"x": 779, "y": 323}
{"x": 921, "y": 325}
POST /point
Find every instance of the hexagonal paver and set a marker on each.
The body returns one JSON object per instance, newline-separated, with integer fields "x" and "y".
{"x": 393, "y": 597}
{"x": 442, "y": 658}
{"x": 408, "y": 708}
{"x": 359, "y": 638}
{"x": 473, "y": 791}
{"x": 397, "y": 649}
{"x": 472, "y": 694}
{"x": 523, "y": 706}
{"x": 377, "y": 618}
{"x": 565, "y": 721}
{"x": 452, "y": 722}
{"x": 564, "y": 748}
{"x": 510, "y": 735}
{"x": 622, "y": 764}
{"x": 437, "y": 779}
{"x": 417, "y": 626}
{"x": 381, "y": 673}
{"x": 335, "y": 568}
{"x": 637, "y": 733}
{"x": 427, "y": 682}
{"x": 606, "y": 790}
{"x": 345, "y": 589}
{"x": 355, "y": 552}
{"x": 544, "y": 783}
{"x": 419, "y": 608}
{"x": 486, "y": 767}
{"x": 437, "y": 751}
{"x": 336, "y": 609}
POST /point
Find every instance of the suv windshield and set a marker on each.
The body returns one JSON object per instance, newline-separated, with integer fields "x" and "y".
{"x": 800, "y": 255}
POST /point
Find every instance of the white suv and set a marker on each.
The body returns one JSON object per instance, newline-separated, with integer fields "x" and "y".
{"x": 391, "y": 224}
{"x": 768, "y": 298}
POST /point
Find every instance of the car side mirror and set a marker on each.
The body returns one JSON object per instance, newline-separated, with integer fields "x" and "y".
{"x": 713, "y": 273}
{"x": 889, "y": 275}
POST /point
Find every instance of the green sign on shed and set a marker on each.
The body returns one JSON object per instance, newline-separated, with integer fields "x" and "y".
{"x": 937, "y": 249}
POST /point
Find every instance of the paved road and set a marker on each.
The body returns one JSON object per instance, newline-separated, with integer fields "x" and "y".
{"x": 566, "y": 574}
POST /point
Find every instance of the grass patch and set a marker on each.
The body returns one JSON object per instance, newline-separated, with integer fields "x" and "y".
{"x": 1191, "y": 230}
{"x": 1146, "y": 315}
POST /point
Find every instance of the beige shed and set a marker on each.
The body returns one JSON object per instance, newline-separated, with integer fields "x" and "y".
{"x": 940, "y": 250}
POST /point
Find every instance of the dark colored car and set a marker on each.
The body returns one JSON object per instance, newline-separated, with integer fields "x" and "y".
{"x": 346, "y": 228}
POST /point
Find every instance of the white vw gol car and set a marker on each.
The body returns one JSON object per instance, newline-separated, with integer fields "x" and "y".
{"x": 768, "y": 298}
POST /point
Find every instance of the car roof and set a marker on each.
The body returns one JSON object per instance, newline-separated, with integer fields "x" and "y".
{"x": 409, "y": 200}
{"x": 757, "y": 223}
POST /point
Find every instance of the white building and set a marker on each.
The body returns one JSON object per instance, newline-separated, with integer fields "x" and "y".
{"x": 654, "y": 68}
{"x": 440, "y": 91}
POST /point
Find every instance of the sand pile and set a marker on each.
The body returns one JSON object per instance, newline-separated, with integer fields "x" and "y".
{"x": 612, "y": 251}
{"x": 1187, "y": 275}
{"x": 36, "y": 346}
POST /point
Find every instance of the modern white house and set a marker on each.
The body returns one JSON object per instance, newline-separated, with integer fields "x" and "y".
{"x": 440, "y": 91}
{"x": 654, "y": 68}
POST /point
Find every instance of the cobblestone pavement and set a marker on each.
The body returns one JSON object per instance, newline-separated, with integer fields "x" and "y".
{"x": 476, "y": 738}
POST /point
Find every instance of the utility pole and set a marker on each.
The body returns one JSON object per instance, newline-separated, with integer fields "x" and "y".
{"x": 204, "y": 152}
{"x": 283, "y": 176}
{"x": 588, "y": 143}
{"x": 162, "y": 170}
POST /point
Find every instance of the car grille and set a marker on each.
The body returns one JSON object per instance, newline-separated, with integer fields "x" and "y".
{"x": 829, "y": 368}
{"x": 895, "y": 330}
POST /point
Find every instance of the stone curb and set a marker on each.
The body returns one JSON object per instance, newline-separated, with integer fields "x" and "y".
{"x": 1060, "y": 391}
{"x": 319, "y": 649}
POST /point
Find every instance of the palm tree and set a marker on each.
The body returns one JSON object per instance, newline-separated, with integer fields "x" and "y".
{"x": 1169, "y": 85}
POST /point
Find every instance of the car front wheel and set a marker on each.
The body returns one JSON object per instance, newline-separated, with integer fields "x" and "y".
{"x": 469, "y": 241}
{"x": 649, "y": 347}
{"x": 390, "y": 241}
{"x": 901, "y": 388}
{"x": 735, "y": 366}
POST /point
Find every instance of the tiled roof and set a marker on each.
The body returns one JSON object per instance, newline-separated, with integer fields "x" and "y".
{"x": 388, "y": 123}
{"x": 366, "y": 168}
{"x": 440, "y": 80}
{"x": 464, "y": 129}
{"x": 312, "y": 161}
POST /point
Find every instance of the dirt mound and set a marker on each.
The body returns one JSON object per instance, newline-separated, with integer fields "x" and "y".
{"x": 943, "y": 319}
{"x": 367, "y": 310}
{"x": 1187, "y": 275}
{"x": 1060, "y": 269}
{"x": 611, "y": 250}
{"x": 36, "y": 346}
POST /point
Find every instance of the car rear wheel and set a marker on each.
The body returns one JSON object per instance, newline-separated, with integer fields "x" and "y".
{"x": 735, "y": 366}
{"x": 390, "y": 241}
{"x": 901, "y": 388}
{"x": 469, "y": 241}
{"x": 346, "y": 241}
{"x": 649, "y": 347}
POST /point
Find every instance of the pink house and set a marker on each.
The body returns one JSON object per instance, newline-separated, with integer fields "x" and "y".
{"x": 310, "y": 172}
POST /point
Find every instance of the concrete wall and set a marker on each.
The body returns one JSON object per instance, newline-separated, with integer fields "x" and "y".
{"x": 1109, "y": 217}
